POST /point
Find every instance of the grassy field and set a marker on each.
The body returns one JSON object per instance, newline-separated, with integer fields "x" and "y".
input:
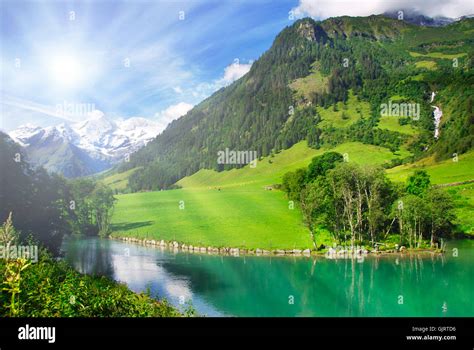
{"x": 315, "y": 82}
{"x": 426, "y": 64}
{"x": 391, "y": 123}
{"x": 464, "y": 200}
{"x": 119, "y": 181}
{"x": 345, "y": 114}
{"x": 229, "y": 217}
{"x": 446, "y": 171}
{"x": 270, "y": 170}
{"x": 440, "y": 55}
{"x": 232, "y": 208}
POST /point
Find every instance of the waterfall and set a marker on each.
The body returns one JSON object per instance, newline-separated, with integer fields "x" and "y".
{"x": 437, "y": 116}
{"x": 437, "y": 119}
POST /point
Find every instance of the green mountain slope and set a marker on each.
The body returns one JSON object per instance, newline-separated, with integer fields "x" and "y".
{"x": 64, "y": 158}
{"x": 325, "y": 82}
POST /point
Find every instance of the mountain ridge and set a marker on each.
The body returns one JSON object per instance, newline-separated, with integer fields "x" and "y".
{"x": 86, "y": 147}
{"x": 375, "y": 57}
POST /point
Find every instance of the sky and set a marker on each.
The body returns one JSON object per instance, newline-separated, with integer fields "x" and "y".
{"x": 61, "y": 60}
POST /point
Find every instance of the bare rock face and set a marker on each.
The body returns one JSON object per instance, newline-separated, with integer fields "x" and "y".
{"x": 307, "y": 31}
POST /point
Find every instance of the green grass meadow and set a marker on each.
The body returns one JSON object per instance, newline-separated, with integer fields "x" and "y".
{"x": 232, "y": 208}
{"x": 119, "y": 181}
{"x": 345, "y": 113}
{"x": 209, "y": 217}
{"x": 464, "y": 201}
{"x": 391, "y": 123}
{"x": 446, "y": 171}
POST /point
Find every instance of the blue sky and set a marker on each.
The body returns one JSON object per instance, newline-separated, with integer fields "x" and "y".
{"x": 129, "y": 58}
{"x": 139, "y": 58}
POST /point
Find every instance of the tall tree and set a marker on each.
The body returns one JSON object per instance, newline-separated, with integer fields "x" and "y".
{"x": 440, "y": 211}
{"x": 418, "y": 183}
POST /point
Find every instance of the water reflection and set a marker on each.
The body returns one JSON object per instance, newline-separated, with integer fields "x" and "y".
{"x": 91, "y": 256}
{"x": 408, "y": 285}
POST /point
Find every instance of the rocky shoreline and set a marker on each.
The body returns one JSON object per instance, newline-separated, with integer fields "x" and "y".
{"x": 176, "y": 246}
{"x": 332, "y": 253}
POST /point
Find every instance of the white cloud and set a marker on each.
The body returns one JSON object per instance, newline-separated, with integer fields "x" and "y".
{"x": 331, "y": 8}
{"x": 171, "y": 113}
{"x": 234, "y": 71}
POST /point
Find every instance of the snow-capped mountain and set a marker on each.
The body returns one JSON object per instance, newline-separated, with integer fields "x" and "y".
{"x": 416, "y": 17}
{"x": 85, "y": 147}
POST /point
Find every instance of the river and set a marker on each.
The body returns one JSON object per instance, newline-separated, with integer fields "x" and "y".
{"x": 288, "y": 286}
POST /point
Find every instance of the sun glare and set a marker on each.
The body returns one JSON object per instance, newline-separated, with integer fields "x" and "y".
{"x": 66, "y": 71}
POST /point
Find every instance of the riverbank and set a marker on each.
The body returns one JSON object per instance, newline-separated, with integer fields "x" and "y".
{"x": 52, "y": 288}
{"x": 339, "y": 252}
{"x": 251, "y": 286}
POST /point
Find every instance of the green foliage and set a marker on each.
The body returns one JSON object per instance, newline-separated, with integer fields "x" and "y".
{"x": 103, "y": 200}
{"x": 53, "y": 289}
{"x": 293, "y": 183}
{"x": 427, "y": 216}
{"x": 418, "y": 183}
{"x": 32, "y": 195}
{"x": 11, "y": 284}
{"x": 348, "y": 199}
{"x": 315, "y": 206}
{"x": 410, "y": 212}
{"x": 441, "y": 214}
{"x": 360, "y": 203}
{"x": 8, "y": 234}
{"x": 91, "y": 207}
{"x": 321, "y": 164}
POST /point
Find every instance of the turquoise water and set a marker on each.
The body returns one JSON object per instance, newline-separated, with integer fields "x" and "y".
{"x": 286, "y": 286}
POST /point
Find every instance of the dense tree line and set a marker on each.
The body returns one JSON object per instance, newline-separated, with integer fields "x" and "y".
{"x": 361, "y": 205}
{"x": 45, "y": 207}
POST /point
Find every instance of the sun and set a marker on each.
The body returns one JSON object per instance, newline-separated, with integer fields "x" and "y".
{"x": 66, "y": 71}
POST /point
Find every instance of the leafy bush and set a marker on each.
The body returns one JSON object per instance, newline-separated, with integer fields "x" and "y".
{"x": 52, "y": 288}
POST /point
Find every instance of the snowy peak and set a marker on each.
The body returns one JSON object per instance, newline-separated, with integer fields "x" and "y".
{"x": 59, "y": 133}
{"x": 139, "y": 129}
{"x": 26, "y": 133}
{"x": 416, "y": 17}
{"x": 102, "y": 139}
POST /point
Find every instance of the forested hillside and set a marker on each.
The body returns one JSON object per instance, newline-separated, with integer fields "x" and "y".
{"x": 326, "y": 82}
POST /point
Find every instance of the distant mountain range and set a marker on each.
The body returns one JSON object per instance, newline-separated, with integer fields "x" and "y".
{"x": 86, "y": 147}
{"x": 415, "y": 17}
